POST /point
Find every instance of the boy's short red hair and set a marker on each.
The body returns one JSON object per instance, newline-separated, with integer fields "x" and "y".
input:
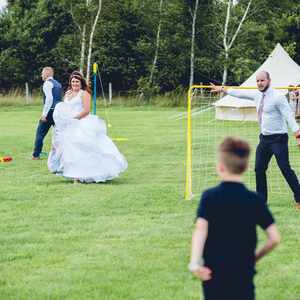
{"x": 234, "y": 154}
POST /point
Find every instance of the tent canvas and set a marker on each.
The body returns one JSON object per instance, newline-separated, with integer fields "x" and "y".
{"x": 284, "y": 71}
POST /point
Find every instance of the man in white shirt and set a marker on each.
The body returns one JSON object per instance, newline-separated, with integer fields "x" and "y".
{"x": 274, "y": 115}
{"x": 52, "y": 91}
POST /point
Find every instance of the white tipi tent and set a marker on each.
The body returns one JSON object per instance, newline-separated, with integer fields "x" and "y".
{"x": 283, "y": 71}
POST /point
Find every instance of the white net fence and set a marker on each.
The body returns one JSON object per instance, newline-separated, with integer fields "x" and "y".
{"x": 210, "y": 124}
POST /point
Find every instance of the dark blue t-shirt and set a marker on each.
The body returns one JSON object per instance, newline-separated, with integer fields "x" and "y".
{"x": 232, "y": 212}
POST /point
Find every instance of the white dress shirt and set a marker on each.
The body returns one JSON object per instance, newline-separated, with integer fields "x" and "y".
{"x": 47, "y": 89}
{"x": 276, "y": 111}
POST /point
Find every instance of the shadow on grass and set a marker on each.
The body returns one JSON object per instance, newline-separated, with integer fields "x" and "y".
{"x": 60, "y": 180}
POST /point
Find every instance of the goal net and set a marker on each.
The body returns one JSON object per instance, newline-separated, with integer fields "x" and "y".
{"x": 210, "y": 119}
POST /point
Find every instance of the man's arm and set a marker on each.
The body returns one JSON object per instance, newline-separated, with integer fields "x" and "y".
{"x": 287, "y": 113}
{"x": 47, "y": 88}
{"x": 249, "y": 94}
{"x": 273, "y": 239}
{"x": 198, "y": 241}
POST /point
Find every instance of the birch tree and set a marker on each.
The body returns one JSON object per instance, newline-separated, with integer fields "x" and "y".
{"x": 146, "y": 83}
{"x": 157, "y": 43}
{"x": 91, "y": 40}
{"x": 79, "y": 17}
{"x": 81, "y": 14}
{"x": 227, "y": 40}
{"x": 82, "y": 52}
{"x": 194, "y": 17}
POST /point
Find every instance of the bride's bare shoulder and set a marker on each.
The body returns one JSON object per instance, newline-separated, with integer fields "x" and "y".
{"x": 85, "y": 93}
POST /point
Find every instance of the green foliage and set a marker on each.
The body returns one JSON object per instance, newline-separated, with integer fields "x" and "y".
{"x": 146, "y": 89}
{"x": 38, "y": 33}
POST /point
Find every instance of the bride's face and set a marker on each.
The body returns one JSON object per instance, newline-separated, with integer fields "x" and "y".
{"x": 75, "y": 84}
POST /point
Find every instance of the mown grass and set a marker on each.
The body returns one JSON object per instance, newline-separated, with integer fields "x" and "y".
{"x": 126, "y": 239}
{"x": 17, "y": 98}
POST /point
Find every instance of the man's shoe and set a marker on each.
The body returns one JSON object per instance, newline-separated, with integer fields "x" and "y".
{"x": 35, "y": 157}
{"x": 43, "y": 154}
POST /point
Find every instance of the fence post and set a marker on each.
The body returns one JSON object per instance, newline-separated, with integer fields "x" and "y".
{"x": 27, "y": 95}
{"x": 110, "y": 92}
{"x": 94, "y": 87}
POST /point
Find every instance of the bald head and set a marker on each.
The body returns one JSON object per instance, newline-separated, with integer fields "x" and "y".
{"x": 263, "y": 80}
{"x": 47, "y": 72}
{"x": 264, "y": 74}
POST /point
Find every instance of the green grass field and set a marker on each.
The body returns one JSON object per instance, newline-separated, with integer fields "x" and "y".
{"x": 127, "y": 239}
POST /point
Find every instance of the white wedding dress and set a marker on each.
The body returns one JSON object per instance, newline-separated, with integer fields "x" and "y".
{"x": 80, "y": 148}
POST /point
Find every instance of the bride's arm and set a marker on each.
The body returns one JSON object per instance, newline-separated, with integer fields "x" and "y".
{"x": 86, "y": 101}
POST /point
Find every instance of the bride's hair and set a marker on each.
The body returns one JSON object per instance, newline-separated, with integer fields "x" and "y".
{"x": 77, "y": 75}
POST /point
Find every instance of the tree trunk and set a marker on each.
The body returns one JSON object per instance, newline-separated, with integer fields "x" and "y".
{"x": 157, "y": 44}
{"x": 225, "y": 43}
{"x": 82, "y": 52}
{"x": 225, "y": 71}
{"x": 82, "y": 29}
{"x": 228, "y": 44}
{"x": 193, "y": 43}
{"x": 91, "y": 42}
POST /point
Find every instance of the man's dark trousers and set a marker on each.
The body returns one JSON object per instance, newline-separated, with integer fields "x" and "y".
{"x": 41, "y": 132}
{"x": 276, "y": 144}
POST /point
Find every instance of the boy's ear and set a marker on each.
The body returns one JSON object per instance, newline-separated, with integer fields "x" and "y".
{"x": 220, "y": 167}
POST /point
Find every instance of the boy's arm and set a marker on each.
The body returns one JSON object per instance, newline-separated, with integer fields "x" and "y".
{"x": 273, "y": 239}
{"x": 198, "y": 241}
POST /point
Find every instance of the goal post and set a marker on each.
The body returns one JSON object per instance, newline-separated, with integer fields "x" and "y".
{"x": 205, "y": 129}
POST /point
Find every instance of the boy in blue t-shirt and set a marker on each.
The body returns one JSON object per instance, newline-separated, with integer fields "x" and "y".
{"x": 224, "y": 241}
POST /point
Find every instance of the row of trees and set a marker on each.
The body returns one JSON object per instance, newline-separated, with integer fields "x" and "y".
{"x": 144, "y": 45}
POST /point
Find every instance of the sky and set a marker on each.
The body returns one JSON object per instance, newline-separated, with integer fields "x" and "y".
{"x": 2, "y": 3}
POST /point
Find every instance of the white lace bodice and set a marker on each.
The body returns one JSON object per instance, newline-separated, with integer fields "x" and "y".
{"x": 75, "y": 102}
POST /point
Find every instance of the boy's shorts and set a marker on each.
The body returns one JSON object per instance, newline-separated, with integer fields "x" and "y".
{"x": 229, "y": 289}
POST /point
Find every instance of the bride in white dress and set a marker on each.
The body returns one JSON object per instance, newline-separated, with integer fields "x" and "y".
{"x": 81, "y": 150}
